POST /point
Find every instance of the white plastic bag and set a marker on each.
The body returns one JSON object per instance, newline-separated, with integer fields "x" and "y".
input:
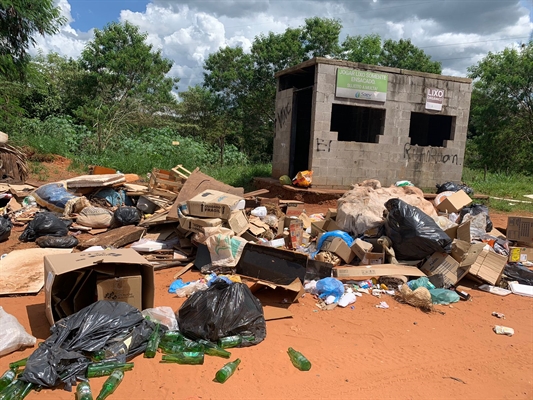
{"x": 191, "y": 288}
{"x": 164, "y": 315}
{"x": 13, "y": 336}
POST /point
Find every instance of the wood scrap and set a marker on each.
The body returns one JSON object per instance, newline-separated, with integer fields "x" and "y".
{"x": 115, "y": 238}
{"x": 183, "y": 270}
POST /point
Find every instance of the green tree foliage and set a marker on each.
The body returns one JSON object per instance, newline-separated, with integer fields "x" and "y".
{"x": 501, "y": 116}
{"x": 363, "y": 49}
{"x": 126, "y": 83}
{"x": 320, "y": 37}
{"x": 20, "y": 22}
{"x": 404, "y": 54}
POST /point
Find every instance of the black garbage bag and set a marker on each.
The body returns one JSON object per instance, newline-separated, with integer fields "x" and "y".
{"x": 447, "y": 187}
{"x": 414, "y": 234}
{"x": 476, "y": 209}
{"x": 518, "y": 273}
{"x": 60, "y": 358}
{"x": 453, "y": 187}
{"x": 44, "y": 224}
{"x": 127, "y": 216}
{"x": 62, "y": 242}
{"x": 5, "y": 228}
{"x": 223, "y": 310}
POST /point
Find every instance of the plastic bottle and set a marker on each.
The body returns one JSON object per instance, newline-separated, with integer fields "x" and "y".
{"x": 189, "y": 358}
{"x": 153, "y": 343}
{"x": 230, "y": 341}
{"x": 212, "y": 349}
{"x": 226, "y": 371}
{"x": 105, "y": 368}
{"x": 83, "y": 391}
{"x": 299, "y": 360}
{"x": 111, "y": 384}
{"x": 7, "y": 378}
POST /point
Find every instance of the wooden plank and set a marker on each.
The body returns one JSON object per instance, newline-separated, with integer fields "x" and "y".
{"x": 183, "y": 270}
{"x": 255, "y": 193}
{"x": 22, "y": 271}
{"x": 116, "y": 238}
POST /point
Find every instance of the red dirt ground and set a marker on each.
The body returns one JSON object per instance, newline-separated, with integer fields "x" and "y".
{"x": 361, "y": 352}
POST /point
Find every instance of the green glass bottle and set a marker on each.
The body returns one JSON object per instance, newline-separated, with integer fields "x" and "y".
{"x": 18, "y": 364}
{"x": 12, "y": 390}
{"x": 98, "y": 355}
{"x": 212, "y": 349}
{"x": 111, "y": 384}
{"x": 7, "y": 378}
{"x": 105, "y": 368}
{"x": 226, "y": 371}
{"x": 83, "y": 391}
{"x": 230, "y": 341}
{"x": 26, "y": 389}
{"x": 153, "y": 343}
{"x": 188, "y": 346}
{"x": 299, "y": 360}
{"x": 189, "y": 358}
{"x": 172, "y": 337}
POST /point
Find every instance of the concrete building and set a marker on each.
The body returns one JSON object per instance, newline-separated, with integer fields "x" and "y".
{"x": 348, "y": 122}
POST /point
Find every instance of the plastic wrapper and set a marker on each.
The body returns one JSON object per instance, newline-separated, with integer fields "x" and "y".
{"x": 414, "y": 234}
{"x": 191, "y": 288}
{"x": 443, "y": 296}
{"x": 164, "y": 315}
{"x": 421, "y": 282}
{"x": 127, "y": 216}
{"x": 5, "y": 228}
{"x": 223, "y": 310}
{"x": 61, "y": 358}
{"x": 303, "y": 179}
{"x": 519, "y": 273}
{"x": 330, "y": 287}
{"x": 476, "y": 209}
{"x": 340, "y": 234}
{"x": 13, "y": 336}
{"x": 63, "y": 242}
{"x": 44, "y": 224}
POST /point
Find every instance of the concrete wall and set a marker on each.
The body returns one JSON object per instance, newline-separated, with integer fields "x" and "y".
{"x": 338, "y": 164}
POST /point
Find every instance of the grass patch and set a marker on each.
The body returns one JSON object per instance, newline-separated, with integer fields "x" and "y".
{"x": 505, "y": 186}
{"x": 239, "y": 175}
{"x": 39, "y": 170}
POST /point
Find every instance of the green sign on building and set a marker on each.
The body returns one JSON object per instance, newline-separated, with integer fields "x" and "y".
{"x": 362, "y": 85}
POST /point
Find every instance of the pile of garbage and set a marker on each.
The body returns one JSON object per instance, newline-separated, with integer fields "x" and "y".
{"x": 389, "y": 243}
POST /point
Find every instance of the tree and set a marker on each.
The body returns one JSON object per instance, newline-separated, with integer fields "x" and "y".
{"x": 126, "y": 83}
{"x": 20, "y": 21}
{"x": 320, "y": 37}
{"x": 501, "y": 115}
{"x": 404, "y": 54}
{"x": 362, "y": 49}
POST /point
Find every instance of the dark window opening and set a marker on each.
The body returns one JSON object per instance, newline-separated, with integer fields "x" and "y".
{"x": 430, "y": 130}
{"x": 299, "y": 79}
{"x": 357, "y": 124}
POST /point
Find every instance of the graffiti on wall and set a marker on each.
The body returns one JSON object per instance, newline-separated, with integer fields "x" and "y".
{"x": 323, "y": 145}
{"x": 282, "y": 115}
{"x": 428, "y": 155}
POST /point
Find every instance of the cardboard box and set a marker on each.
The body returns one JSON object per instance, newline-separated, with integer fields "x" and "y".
{"x": 339, "y": 247}
{"x": 296, "y": 230}
{"x": 196, "y": 224}
{"x": 71, "y": 279}
{"x": 520, "y": 254}
{"x": 121, "y": 288}
{"x": 214, "y": 204}
{"x": 446, "y": 266}
{"x": 461, "y": 232}
{"x": 489, "y": 267}
{"x": 238, "y": 222}
{"x": 319, "y": 227}
{"x": 331, "y": 214}
{"x": 368, "y": 271}
{"x": 455, "y": 202}
{"x": 520, "y": 229}
{"x": 369, "y": 251}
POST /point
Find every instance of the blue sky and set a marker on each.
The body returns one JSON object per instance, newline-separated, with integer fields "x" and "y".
{"x": 458, "y": 33}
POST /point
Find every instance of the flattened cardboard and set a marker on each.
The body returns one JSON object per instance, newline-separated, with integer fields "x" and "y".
{"x": 197, "y": 224}
{"x": 368, "y": 271}
{"x": 59, "y": 268}
{"x": 270, "y": 293}
{"x": 272, "y": 313}
{"x": 214, "y": 204}
{"x": 238, "y": 222}
{"x": 489, "y": 267}
{"x": 339, "y": 247}
{"x": 520, "y": 254}
{"x": 520, "y": 229}
{"x": 455, "y": 202}
{"x": 319, "y": 227}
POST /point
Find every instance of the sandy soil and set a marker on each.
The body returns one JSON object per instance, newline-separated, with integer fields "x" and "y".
{"x": 357, "y": 352}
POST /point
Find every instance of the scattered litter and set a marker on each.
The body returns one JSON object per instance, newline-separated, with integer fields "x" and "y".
{"x": 503, "y": 330}
{"x": 383, "y": 305}
{"x": 494, "y": 290}
{"x": 498, "y": 315}
{"x": 13, "y": 336}
{"x": 455, "y": 379}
